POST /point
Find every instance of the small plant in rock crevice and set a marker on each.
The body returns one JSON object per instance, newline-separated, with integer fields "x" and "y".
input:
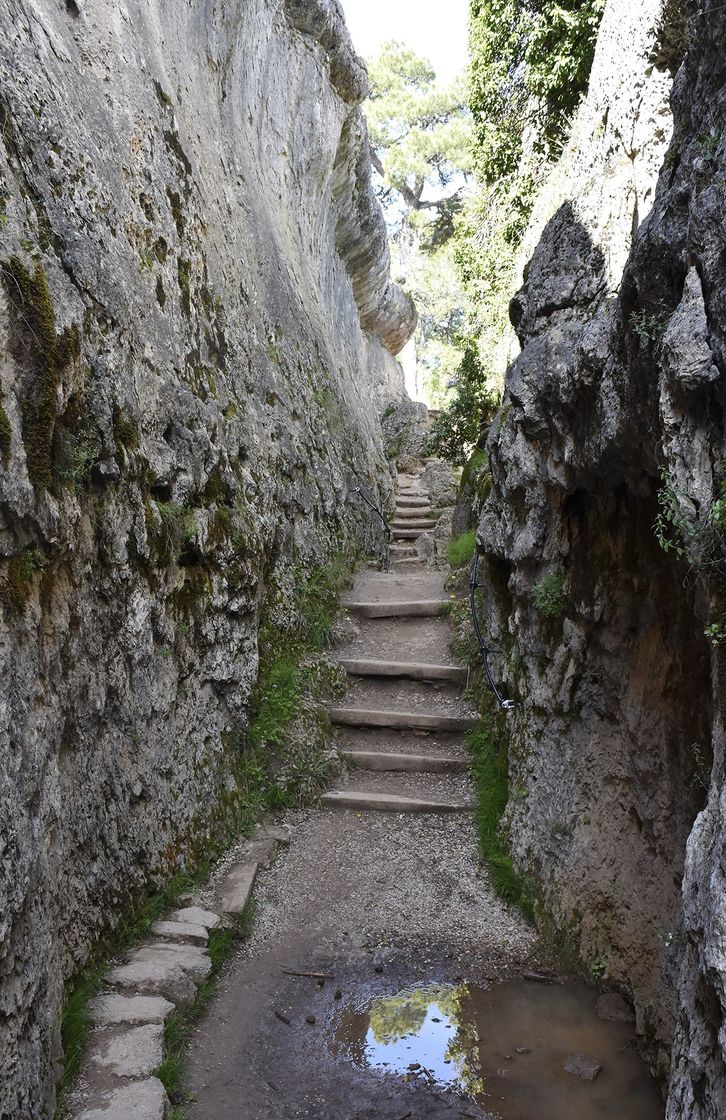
{"x": 701, "y": 766}
{"x": 549, "y": 594}
{"x": 648, "y": 328}
{"x": 716, "y": 633}
{"x": 709, "y": 144}
{"x": 696, "y": 536}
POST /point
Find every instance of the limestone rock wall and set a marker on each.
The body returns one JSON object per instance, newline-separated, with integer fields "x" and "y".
{"x": 196, "y": 319}
{"x": 617, "y": 739}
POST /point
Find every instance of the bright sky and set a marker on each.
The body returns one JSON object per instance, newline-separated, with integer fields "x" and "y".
{"x": 438, "y": 31}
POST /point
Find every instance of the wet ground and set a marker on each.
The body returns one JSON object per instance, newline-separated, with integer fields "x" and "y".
{"x": 505, "y": 1046}
{"x": 398, "y": 918}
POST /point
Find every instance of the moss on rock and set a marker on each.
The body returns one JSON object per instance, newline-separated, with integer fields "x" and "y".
{"x": 38, "y": 348}
{"x": 5, "y": 432}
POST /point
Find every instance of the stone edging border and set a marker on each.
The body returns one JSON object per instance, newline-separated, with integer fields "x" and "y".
{"x": 164, "y": 973}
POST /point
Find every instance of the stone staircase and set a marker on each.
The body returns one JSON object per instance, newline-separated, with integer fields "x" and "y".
{"x": 401, "y": 729}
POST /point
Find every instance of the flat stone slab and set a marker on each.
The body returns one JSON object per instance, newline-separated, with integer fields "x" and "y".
{"x": 407, "y": 534}
{"x": 181, "y": 931}
{"x": 388, "y": 803}
{"x": 236, "y": 888}
{"x": 410, "y": 502}
{"x": 174, "y": 971}
{"x": 140, "y": 1100}
{"x": 369, "y": 717}
{"x": 197, "y": 916}
{"x": 613, "y": 1008}
{"x": 417, "y": 670}
{"x": 261, "y": 852}
{"x": 112, "y": 1009}
{"x": 415, "y": 608}
{"x": 135, "y": 1052}
{"x": 406, "y": 763}
{"x": 582, "y": 1065}
{"x": 413, "y": 523}
{"x": 278, "y": 833}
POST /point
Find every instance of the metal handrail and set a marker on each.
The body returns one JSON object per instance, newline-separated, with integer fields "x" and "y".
{"x": 373, "y": 506}
{"x": 484, "y": 650}
{"x": 368, "y": 501}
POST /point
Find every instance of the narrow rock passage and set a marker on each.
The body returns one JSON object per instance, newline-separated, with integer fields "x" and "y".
{"x": 381, "y": 887}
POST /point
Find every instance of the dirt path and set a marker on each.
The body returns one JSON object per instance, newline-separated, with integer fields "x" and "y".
{"x": 378, "y": 900}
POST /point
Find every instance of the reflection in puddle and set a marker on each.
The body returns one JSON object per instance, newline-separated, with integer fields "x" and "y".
{"x": 506, "y": 1048}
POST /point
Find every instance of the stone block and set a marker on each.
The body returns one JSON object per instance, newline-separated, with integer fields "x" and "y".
{"x": 236, "y": 888}
{"x": 140, "y": 1100}
{"x": 134, "y": 1053}
{"x": 582, "y": 1065}
{"x": 196, "y": 916}
{"x": 111, "y": 1008}
{"x": 174, "y": 971}
{"x": 615, "y": 1009}
{"x": 181, "y": 931}
{"x": 274, "y": 832}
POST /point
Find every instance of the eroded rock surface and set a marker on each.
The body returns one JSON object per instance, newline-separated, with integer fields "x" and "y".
{"x": 197, "y": 322}
{"x": 617, "y": 740}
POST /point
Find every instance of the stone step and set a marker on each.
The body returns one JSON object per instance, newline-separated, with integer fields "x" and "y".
{"x": 407, "y": 534}
{"x": 402, "y": 550}
{"x": 414, "y": 523}
{"x": 412, "y": 564}
{"x": 416, "y": 608}
{"x": 423, "y": 510}
{"x": 395, "y": 740}
{"x": 408, "y": 518}
{"x": 412, "y": 503}
{"x": 372, "y": 717}
{"x": 417, "y": 670}
{"x": 401, "y": 639}
{"x": 406, "y": 763}
{"x": 388, "y": 802}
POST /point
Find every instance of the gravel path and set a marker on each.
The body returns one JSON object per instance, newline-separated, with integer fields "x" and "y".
{"x": 377, "y": 901}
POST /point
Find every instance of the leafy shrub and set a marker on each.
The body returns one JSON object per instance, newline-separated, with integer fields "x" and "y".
{"x": 549, "y": 594}
{"x": 698, "y": 537}
{"x": 461, "y": 425}
{"x": 649, "y": 328}
{"x": 530, "y": 67}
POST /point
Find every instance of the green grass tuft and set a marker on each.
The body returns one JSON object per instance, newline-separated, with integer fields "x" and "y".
{"x": 488, "y": 745}
{"x": 461, "y": 549}
{"x": 76, "y": 1023}
{"x": 279, "y": 702}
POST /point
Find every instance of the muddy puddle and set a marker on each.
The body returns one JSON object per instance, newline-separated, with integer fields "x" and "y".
{"x": 505, "y": 1048}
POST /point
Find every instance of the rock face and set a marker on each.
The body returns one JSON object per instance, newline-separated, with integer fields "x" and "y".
{"x": 197, "y": 320}
{"x": 617, "y": 748}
